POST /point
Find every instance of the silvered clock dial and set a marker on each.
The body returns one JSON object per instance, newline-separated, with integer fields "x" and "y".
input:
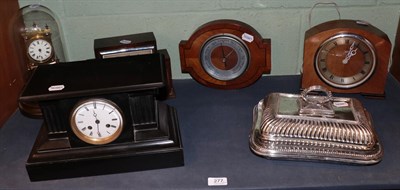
{"x": 345, "y": 60}
{"x": 96, "y": 121}
{"x": 224, "y": 57}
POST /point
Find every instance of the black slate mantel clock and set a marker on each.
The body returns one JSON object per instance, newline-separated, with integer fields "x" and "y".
{"x": 102, "y": 116}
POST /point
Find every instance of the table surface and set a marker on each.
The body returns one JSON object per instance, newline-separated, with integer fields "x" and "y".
{"x": 215, "y": 126}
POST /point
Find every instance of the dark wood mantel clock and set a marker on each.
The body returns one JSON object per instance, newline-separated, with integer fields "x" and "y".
{"x": 346, "y": 56}
{"x": 225, "y": 54}
{"x": 102, "y": 112}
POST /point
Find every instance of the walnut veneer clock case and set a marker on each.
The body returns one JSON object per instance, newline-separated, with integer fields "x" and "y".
{"x": 225, "y": 54}
{"x": 346, "y": 56}
{"x": 102, "y": 116}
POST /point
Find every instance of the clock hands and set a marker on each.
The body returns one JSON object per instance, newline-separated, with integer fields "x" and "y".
{"x": 97, "y": 123}
{"x": 223, "y": 55}
{"x": 229, "y": 54}
{"x": 350, "y": 53}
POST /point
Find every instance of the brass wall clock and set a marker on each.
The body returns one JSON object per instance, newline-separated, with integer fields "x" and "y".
{"x": 346, "y": 56}
{"x": 225, "y": 54}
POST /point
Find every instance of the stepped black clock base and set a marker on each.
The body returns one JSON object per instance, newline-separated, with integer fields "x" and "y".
{"x": 55, "y": 158}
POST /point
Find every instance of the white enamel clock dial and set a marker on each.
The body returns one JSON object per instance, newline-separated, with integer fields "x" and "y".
{"x": 97, "y": 121}
{"x": 40, "y": 50}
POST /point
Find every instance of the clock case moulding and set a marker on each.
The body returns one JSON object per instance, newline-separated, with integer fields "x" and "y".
{"x": 316, "y": 35}
{"x": 150, "y": 138}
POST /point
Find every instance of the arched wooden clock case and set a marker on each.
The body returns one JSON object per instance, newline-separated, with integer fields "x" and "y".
{"x": 225, "y": 54}
{"x": 346, "y": 56}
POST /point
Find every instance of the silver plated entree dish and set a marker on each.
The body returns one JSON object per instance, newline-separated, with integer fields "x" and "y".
{"x": 312, "y": 127}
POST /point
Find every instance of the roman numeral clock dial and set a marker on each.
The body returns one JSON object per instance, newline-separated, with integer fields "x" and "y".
{"x": 345, "y": 61}
{"x": 97, "y": 121}
{"x": 40, "y": 50}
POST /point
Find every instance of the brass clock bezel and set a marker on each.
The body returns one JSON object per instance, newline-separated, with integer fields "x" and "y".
{"x": 92, "y": 140}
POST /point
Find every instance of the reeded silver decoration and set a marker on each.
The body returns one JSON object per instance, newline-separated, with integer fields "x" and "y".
{"x": 315, "y": 128}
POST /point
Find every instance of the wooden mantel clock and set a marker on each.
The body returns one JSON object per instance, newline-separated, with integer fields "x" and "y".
{"x": 102, "y": 116}
{"x": 346, "y": 56}
{"x": 225, "y": 54}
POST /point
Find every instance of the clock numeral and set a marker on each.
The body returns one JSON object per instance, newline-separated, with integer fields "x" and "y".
{"x": 324, "y": 69}
{"x": 367, "y": 62}
{"x": 94, "y": 105}
{"x": 354, "y": 78}
{"x": 80, "y": 121}
{"x": 111, "y": 112}
{"x": 81, "y": 114}
{"x": 347, "y": 41}
{"x": 99, "y": 134}
{"x": 91, "y": 133}
{"x": 331, "y": 77}
{"x": 363, "y": 72}
{"x": 322, "y": 60}
{"x": 342, "y": 80}
{"x": 86, "y": 109}
{"x": 83, "y": 129}
{"x": 108, "y": 132}
{"x": 114, "y": 119}
{"x": 113, "y": 126}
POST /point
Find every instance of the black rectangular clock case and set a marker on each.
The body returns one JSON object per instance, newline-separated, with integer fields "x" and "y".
{"x": 149, "y": 140}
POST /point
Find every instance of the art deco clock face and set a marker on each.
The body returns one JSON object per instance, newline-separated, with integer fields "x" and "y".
{"x": 225, "y": 54}
{"x": 346, "y": 56}
{"x": 40, "y": 50}
{"x": 224, "y": 57}
{"x": 345, "y": 60}
{"x": 96, "y": 121}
